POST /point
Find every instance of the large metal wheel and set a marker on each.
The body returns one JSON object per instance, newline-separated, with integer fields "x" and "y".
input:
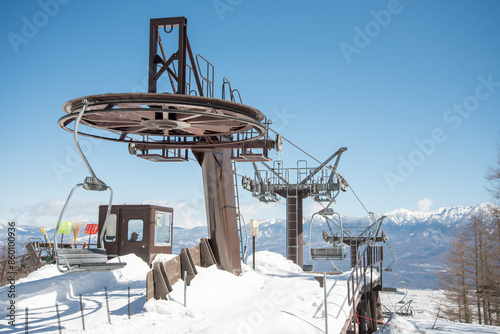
{"x": 166, "y": 119}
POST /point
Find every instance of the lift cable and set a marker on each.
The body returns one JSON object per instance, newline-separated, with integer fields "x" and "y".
{"x": 364, "y": 207}
{"x": 310, "y": 156}
{"x": 359, "y": 200}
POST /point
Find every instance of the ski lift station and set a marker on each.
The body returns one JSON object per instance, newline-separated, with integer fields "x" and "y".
{"x": 218, "y": 133}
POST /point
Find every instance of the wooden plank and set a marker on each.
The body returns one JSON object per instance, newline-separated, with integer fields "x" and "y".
{"x": 4, "y": 269}
{"x": 160, "y": 287}
{"x": 196, "y": 255}
{"x": 191, "y": 262}
{"x": 173, "y": 269}
{"x": 165, "y": 278}
{"x": 207, "y": 255}
{"x": 187, "y": 265}
{"x": 160, "y": 280}
{"x": 33, "y": 259}
{"x": 150, "y": 287}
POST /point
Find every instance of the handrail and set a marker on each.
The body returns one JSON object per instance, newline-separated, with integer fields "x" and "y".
{"x": 225, "y": 82}
{"x": 371, "y": 255}
{"x": 209, "y": 78}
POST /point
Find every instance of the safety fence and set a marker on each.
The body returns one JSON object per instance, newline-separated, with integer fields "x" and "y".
{"x": 12, "y": 269}
{"x": 164, "y": 275}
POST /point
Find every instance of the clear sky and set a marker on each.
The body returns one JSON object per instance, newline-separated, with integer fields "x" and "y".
{"x": 412, "y": 88}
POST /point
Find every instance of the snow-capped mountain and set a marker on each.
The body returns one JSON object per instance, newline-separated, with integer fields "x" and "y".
{"x": 442, "y": 215}
{"x": 420, "y": 239}
{"x": 457, "y": 214}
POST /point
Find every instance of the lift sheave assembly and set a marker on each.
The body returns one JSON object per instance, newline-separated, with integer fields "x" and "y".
{"x": 164, "y": 127}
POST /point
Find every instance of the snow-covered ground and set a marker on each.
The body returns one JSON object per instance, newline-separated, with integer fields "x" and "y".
{"x": 425, "y": 304}
{"x": 276, "y": 298}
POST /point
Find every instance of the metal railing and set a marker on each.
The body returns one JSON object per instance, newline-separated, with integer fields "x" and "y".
{"x": 371, "y": 256}
{"x": 357, "y": 282}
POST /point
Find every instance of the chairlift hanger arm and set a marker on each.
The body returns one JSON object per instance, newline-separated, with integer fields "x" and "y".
{"x": 334, "y": 172}
{"x": 335, "y": 166}
{"x": 256, "y": 171}
{"x": 393, "y": 259}
{"x": 337, "y": 154}
{"x": 378, "y": 222}
{"x": 379, "y": 226}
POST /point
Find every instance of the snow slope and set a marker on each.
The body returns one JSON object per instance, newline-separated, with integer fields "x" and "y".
{"x": 425, "y": 304}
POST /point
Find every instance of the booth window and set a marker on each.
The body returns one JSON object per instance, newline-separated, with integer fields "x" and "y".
{"x": 163, "y": 228}
{"x": 134, "y": 232}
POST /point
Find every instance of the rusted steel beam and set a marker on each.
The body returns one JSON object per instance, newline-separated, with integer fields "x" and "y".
{"x": 221, "y": 208}
{"x": 180, "y": 55}
{"x": 203, "y": 145}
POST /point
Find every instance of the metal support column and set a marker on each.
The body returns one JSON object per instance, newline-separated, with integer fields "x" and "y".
{"x": 221, "y": 208}
{"x": 294, "y": 228}
{"x": 354, "y": 254}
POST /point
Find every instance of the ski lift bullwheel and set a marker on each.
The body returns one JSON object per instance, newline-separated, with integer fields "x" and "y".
{"x": 166, "y": 119}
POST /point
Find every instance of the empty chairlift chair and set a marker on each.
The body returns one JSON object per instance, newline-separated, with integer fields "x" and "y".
{"x": 88, "y": 259}
{"x": 336, "y": 250}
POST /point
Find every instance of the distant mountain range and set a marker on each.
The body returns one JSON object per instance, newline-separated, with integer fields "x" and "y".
{"x": 419, "y": 239}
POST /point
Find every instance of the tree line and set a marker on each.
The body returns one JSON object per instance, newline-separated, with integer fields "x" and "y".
{"x": 471, "y": 275}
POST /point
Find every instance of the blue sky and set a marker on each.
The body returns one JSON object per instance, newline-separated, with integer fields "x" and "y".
{"x": 412, "y": 88}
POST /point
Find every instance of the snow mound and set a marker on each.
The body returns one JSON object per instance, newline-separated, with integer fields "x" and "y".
{"x": 397, "y": 325}
{"x": 136, "y": 268}
{"x": 269, "y": 261}
{"x": 167, "y": 308}
{"x": 47, "y": 285}
{"x": 163, "y": 258}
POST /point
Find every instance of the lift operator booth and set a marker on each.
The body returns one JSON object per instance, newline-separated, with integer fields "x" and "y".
{"x": 145, "y": 230}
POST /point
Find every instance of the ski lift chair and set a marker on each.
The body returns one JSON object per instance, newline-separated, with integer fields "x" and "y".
{"x": 328, "y": 253}
{"x": 70, "y": 260}
{"x": 335, "y": 252}
{"x": 87, "y": 259}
